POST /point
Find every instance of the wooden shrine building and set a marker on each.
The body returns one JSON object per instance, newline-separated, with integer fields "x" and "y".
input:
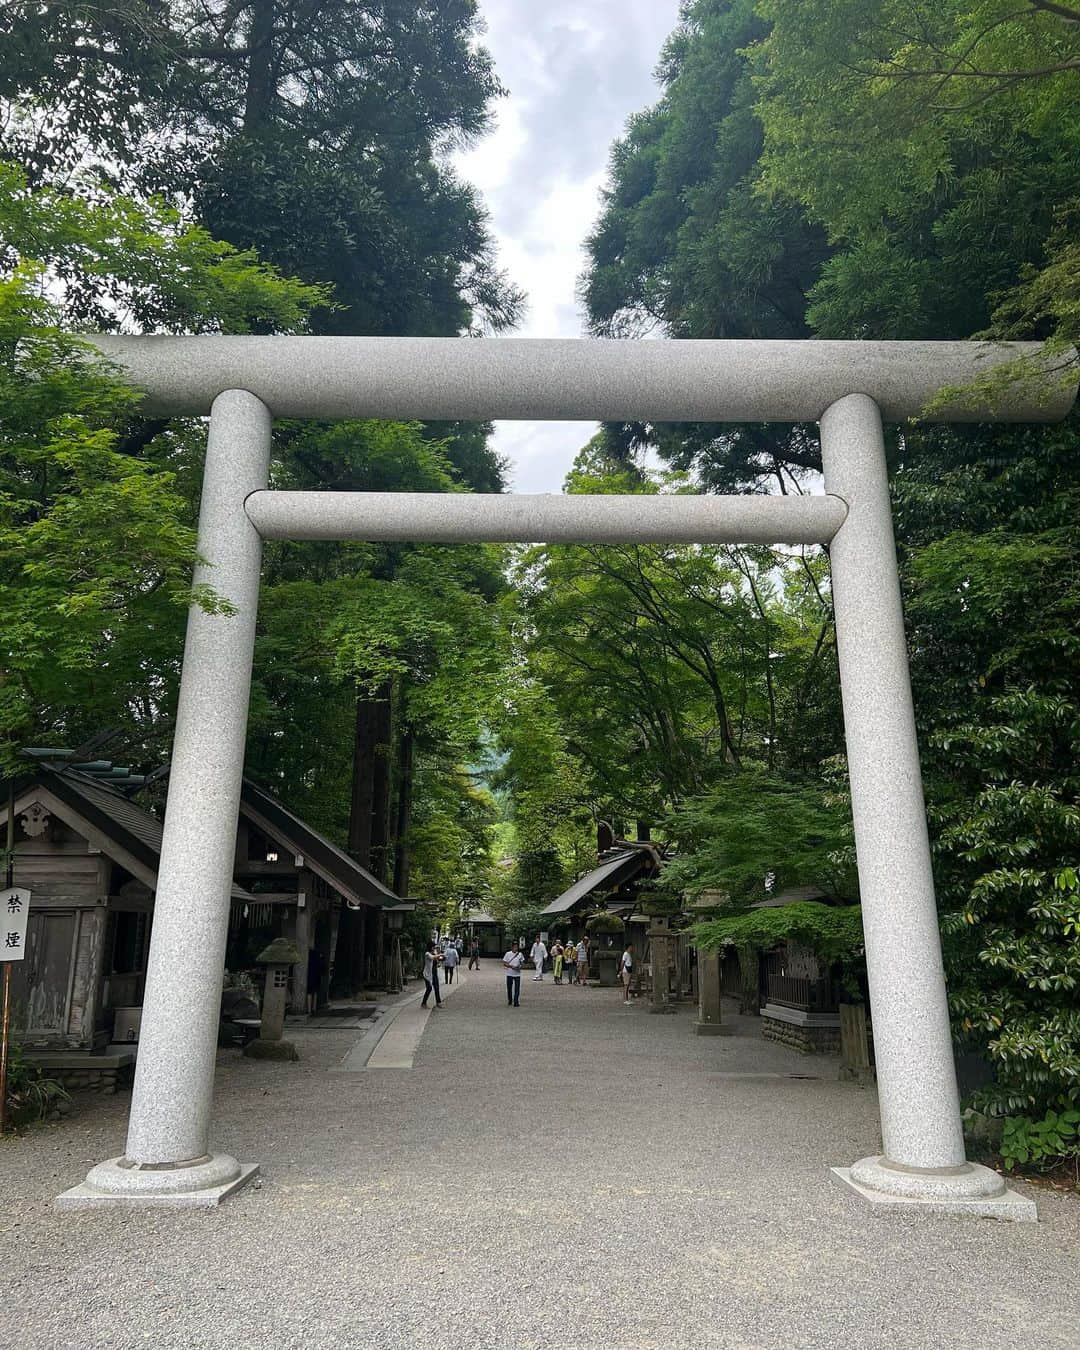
{"x": 89, "y": 856}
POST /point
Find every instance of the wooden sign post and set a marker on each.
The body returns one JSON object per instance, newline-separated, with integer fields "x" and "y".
{"x": 14, "y": 907}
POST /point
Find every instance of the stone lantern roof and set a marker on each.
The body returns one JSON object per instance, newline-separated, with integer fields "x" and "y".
{"x": 281, "y": 952}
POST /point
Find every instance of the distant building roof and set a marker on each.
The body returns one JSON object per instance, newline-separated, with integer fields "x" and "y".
{"x": 324, "y": 858}
{"x": 792, "y": 895}
{"x": 617, "y": 867}
{"x": 482, "y": 916}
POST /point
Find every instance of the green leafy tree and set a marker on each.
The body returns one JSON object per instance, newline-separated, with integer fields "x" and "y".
{"x": 451, "y": 840}
{"x": 688, "y": 246}
{"x": 990, "y": 571}
{"x": 929, "y": 152}
{"x": 752, "y": 833}
{"x": 670, "y": 666}
{"x": 833, "y": 931}
{"x": 548, "y": 834}
{"x": 936, "y": 145}
{"x": 96, "y": 538}
{"x": 313, "y": 134}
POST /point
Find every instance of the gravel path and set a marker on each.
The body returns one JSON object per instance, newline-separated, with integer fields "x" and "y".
{"x": 568, "y": 1174}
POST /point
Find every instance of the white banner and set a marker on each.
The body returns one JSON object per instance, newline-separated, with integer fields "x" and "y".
{"x": 14, "y": 907}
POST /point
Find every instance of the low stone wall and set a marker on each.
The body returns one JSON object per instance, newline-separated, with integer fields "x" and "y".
{"x": 807, "y": 1040}
{"x": 79, "y": 1072}
{"x": 104, "y": 1081}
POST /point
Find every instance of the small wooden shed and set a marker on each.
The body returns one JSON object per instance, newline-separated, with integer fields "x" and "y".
{"x": 89, "y": 855}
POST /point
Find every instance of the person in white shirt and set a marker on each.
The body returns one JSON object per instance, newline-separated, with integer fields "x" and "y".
{"x": 583, "y": 961}
{"x": 431, "y": 975}
{"x": 450, "y": 962}
{"x": 627, "y": 968}
{"x": 539, "y": 956}
{"x": 512, "y": 963}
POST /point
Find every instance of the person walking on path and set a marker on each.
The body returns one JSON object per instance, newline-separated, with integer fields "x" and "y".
{"x": 570, "y": 961}
{"x": 539, "y": 956}
{"x": 431, "y": 974}
{"x": 450, "y": 962}
{"x": 512, "y": 963}
{"x": 557, "y": 960}
{"x": 583, "y": 961}
{"x": 474, "y": 953}
{"x": 626, "y": 966}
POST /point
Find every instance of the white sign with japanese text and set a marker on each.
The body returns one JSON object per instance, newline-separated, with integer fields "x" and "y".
{"x": 14, "y": 907}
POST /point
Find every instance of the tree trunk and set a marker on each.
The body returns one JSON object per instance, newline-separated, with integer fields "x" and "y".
{"x": 402, "y": 850}
{"x": 379, "y": 847}
{"x": 348, "y": 954}
{"x": 749, "y": 967}
{"x": 362, "y": 803}
{"x": 259, "y": 95}
{"x": 367, "y": 831}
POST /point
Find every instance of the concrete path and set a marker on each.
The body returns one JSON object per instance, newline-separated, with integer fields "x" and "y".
{"x": 567, "y": 1174}
{"x": 403, "y": 1028}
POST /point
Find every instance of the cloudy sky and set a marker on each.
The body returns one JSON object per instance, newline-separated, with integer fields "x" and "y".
{"x": 575, "y": 69}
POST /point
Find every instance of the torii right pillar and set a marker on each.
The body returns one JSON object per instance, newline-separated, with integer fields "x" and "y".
{"x": 923, "y": 1164}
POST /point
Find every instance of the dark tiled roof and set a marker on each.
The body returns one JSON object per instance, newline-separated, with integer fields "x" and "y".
{"x": 133, "y": 828}
{"x": 793, "y": 895}
{"x": 619, "y": 866}
{"x": 323, "y": 857}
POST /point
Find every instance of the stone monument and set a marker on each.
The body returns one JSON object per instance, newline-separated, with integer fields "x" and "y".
{"x": 278, "y": 958}
{"x": 709, "y": 1021}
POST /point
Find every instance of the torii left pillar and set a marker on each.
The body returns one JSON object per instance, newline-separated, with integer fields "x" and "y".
{"x": 167, "y": 1160}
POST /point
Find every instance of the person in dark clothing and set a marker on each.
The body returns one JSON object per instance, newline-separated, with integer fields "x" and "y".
{"x": 474, "y": 954}
{"x": 316, "y": 968}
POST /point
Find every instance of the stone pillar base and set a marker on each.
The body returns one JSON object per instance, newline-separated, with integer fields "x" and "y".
{"x": 712, "y": 1029}
{"x": 118, "y": 1183}
{"x": 971, "y": 1189}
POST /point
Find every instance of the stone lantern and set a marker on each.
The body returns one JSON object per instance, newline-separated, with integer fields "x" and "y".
{"x": 710, "y": 1021}
{"x": 663, "y": 944}
{"x": 281, "y": 954}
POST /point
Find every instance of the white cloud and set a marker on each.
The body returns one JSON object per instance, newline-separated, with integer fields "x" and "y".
{"x": 575, "y": 71}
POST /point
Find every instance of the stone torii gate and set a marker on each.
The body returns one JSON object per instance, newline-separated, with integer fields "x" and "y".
{"x": 848, "y": 387}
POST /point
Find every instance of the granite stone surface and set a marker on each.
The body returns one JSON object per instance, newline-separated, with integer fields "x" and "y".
{"x": 572, "y": 379}
{"x": 170, "y": 1109}
{"x": 920, "y": 1107}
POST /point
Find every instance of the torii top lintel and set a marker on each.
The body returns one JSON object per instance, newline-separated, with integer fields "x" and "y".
{"x": 556, "y": 379}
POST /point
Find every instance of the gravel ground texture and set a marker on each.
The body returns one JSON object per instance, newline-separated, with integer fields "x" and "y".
{"x": 571, "y": 1173}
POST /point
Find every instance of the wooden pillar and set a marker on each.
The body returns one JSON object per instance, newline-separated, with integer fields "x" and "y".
{"x": 302, "y": 937}
{"x": 380, "y": 972}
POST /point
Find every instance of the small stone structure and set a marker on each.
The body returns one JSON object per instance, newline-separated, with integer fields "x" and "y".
{"x": 855, "y": 1043}
{"x": 709, "y": 1020}
{"x": 278, "y": 958}
{"x": 607, "y": 965}
{"x": 663, "y": 947}
{"x": 79, "y": 1072}
{"x": 811, "y": 1033}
